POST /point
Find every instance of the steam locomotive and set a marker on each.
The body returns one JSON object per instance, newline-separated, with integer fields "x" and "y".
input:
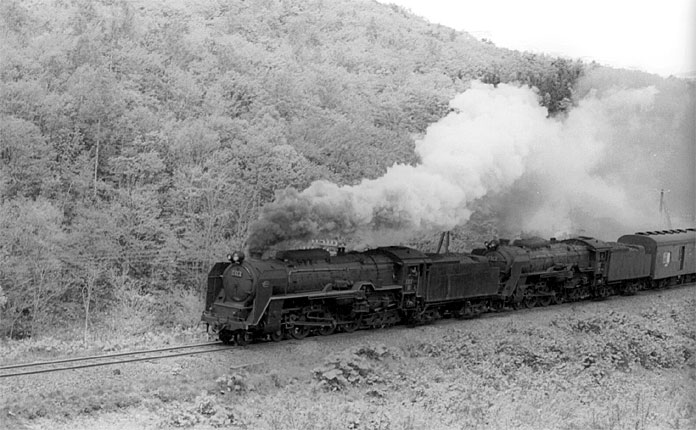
{"x": 311, "y": 291}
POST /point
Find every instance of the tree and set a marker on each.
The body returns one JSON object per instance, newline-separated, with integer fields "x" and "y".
{"x": 140, "y": 143}
{"x": 97, "y": 103}
{"x": 30, "y": 267}
{"x": 25, "y": 159}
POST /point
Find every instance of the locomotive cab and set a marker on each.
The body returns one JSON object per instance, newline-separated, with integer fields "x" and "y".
{"x": 412, "y": 274}
{"x": 411, "y": 271}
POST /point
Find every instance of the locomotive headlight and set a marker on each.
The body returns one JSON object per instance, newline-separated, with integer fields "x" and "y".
{"x": 236, "y": 257}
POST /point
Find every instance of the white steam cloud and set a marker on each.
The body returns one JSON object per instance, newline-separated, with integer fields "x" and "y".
{"x": 497, "y": 143}
{"x": 573, "y": 186}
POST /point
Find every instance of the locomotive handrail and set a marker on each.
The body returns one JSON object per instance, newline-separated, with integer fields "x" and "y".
{"x": 389, "y": 287}
{"x": 552, "y": 274}
{"x": 316, "y": 294}
{"x": 318, "y": 269}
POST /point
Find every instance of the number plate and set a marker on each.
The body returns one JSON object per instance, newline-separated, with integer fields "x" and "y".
{"x": 236, "y": 273}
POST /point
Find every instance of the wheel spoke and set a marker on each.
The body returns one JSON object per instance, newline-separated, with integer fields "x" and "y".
{"x": 530, "y": 301}
{"x": 277, "y": 336}
{"x": 353, "y": 325}
{"x": 241, "y": 338}
{"x": 299, "y": 332}
{"x": 327, "y": 330}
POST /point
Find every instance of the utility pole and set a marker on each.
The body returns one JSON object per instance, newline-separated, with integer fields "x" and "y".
{"x": 444, "y": 237}
{"x": 664, "y": 213}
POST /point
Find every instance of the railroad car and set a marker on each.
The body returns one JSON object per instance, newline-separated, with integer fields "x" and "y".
{"x": 671, "y": 254}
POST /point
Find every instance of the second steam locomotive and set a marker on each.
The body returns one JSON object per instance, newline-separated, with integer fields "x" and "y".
{"x": 303, "y": 292}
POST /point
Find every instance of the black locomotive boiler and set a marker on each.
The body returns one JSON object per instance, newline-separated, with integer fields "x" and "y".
{"x": 303, "y": 292}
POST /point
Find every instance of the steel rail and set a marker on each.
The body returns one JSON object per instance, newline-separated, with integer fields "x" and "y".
{"x": 98, "y": 357}
{"x": 131, "y": 360}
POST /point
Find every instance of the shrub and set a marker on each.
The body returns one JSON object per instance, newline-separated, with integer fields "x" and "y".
{"x": 618, "y": 341}
{"x": 207, "y": 410}
{"x": 354, "y": 366}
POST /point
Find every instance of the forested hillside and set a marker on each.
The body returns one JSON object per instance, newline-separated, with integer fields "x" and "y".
{"x": 139, "y": 139}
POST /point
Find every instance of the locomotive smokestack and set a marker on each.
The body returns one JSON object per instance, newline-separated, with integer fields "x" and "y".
{"x": 255, "y": 253}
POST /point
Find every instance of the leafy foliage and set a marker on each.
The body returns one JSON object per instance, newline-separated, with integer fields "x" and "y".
{"x": 140, "y": 138}
{"x": 357, "y": 366}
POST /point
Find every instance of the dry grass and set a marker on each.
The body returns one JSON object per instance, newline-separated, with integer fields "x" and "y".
{"x": 627, "y": 363}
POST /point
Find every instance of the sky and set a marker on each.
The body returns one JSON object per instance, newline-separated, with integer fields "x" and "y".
{"x": 656, "y": 36}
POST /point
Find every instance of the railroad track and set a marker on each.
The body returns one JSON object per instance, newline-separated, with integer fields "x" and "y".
{"x": 204, "y": 348}
{"x": 108, "y": 359}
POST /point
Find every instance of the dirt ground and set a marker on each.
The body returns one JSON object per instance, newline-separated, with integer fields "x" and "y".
{"x": 624, "y": 363}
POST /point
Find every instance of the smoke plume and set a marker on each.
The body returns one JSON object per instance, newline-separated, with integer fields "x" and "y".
{"x": 603, "y": 172}
{"x": 541, "y": 174}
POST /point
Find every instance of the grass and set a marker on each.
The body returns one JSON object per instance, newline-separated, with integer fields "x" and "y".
{"x": 612, "y": 365}
{"x": 99, "y": 390}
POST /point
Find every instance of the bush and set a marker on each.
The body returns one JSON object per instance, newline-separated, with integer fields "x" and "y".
{"x": 234, "y": 383}
{"x": 618, "y": 341}
{"x": 354, "y": 366}
{"x": 206, "y": 410}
